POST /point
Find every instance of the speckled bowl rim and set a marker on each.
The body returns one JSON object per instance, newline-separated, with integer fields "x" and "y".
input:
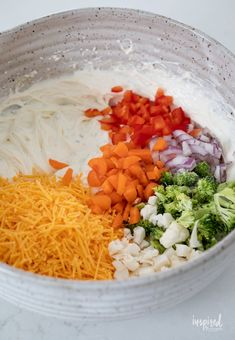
{"x": 131, "y": 282}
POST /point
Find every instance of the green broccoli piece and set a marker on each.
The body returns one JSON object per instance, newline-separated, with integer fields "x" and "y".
{"x": 187, "y": 218}
{"x": 203, "y": 209}
{"x": 166, "y": 179}
{"x": 181, "y": 203}
{"x": 185, "y": 178}
{"x": 173, "y": 190}
{"x": 160, "y": 193}
{"x": 224, "y": 185}
{"x": 155, "y": 235}
{"x": 148, "y": 226}
{"x": 203, "y": 169}
{"x": 157, "y": 245}
{"x": 210, "y": 230}
{"x": 204, "y": 190}
{"x": 225, "y": 206}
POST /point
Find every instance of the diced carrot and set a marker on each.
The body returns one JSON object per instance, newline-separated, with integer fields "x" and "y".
{"x": 155, "y": 174}
{"x": 99, "y": 165}
{"x": 134, "y": 215}
{"x": 118, "y": 137}
{"x": 121, "y": 185}
{"x": 110, "y": 164}
{"x": 112, "y": 172}
{"x": 92, "y": 113}
{"x": 151, "y": 175}
{"x": 119, "y": 207}
{"x": 144, "y": 154}
{"x": 149, "y": 167}
{"x": 130, "y": 193}
{"x": 159, "y": 164}
{"x": 106, "y": 147}
{"x": 121, "y": 149}
{"x": 96, "y": 210}
{"x": 135, "y": 170}
{"x": 102, "y": 201}
{"x": 117, "y": 89}
{"x": 56, "y": 164}
{"x": 117, "y": 221}
{"x": 115, "y": 198}
{"x": 107, "y": 187}
{"x": 126, "y": 212}
{"x": 93, "y": 179}
{"x": 140, "y": 191}
{"x": 106, "y": 111}
{"x": 114, "y": 160}
{"x": 143, "y": 178}
{"x": 130, "y": 160}
{"x": 105, "y": 126}
{"x": 195, "y": 132}
{"x": 130, "y": 145}
{"x": 113, "y": 179}
{"x": 120, "y": 163}
{"x": 67, "y": 178}
{"x": 148, "y": 191}
{"x": 160, "y": 145}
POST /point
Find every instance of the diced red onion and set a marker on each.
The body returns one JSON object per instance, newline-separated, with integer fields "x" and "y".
{"x": 220, "y": 173}
{"x": 181, "y": 162}
{"x": 186, "y": 149}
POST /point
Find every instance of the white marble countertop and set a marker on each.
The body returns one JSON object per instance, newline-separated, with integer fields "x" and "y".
{"x": 216, "y": 18}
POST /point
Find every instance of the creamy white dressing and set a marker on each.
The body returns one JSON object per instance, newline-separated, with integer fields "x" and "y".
{"x": 47, "y": 120}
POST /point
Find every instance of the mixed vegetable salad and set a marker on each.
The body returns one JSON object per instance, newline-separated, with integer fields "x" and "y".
{"x": 163, "y": 177}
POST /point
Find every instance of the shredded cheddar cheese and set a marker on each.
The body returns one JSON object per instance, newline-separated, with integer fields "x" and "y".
{"x": 47, "y": 228}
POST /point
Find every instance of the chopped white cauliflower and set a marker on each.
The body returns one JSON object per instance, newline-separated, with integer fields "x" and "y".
{"x": 139, "y": 235}
{"x": 147, "y": 211}
{"x": 115, "y": 246}
{"x": 161, "y": 261}
{"x": 193, "y": 241}
{"x": 175, "y": 233}
{"x": 182, "y": 250}
{"x": 162, "y": 220}
{"x": 152, "y": 200}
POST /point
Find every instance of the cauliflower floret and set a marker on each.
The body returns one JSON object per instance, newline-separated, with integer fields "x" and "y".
{"x": 175, "y": 233}
{"x": 152, "y": 200}
{"x": 193, "y": 242}
{"x": 147, "y": 211}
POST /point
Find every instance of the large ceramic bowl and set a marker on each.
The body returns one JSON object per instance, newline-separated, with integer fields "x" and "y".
{"x": 62, "y": 43}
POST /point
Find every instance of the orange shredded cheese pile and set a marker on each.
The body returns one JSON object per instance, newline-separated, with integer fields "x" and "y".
{"x": 47, "y": 228}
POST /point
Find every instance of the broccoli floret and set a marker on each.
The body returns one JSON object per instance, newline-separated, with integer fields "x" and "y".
{"x": 173, "y": 190}
{"x": 160, "y": 193}
{"x": 148, "y": 226}
{"x": 203, "y": 169}
{"x": 155, "y": 235}
{"x": 172, "y": 208}
{"x": 186, "y": 178}
{"x": 186, "y": 219}
{"x": 157, "y": 245}
{"x": 225, "y": 206}
{"x": 204, "y": 190}
{"x": 210, "y": 230}
{"x": 166, "y": 179}
{"x": 181, "y": 203}
{"x": 224, "y": 185}
{"x": 203, "y": 209}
